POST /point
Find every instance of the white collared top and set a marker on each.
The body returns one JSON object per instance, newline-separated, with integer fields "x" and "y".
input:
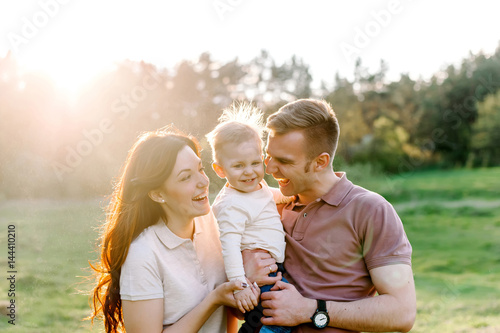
{"x": 160, "y": 264}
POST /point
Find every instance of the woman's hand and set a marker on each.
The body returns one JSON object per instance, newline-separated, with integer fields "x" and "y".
{"x": 224, "y": 293}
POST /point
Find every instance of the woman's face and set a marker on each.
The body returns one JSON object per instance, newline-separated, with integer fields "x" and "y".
{"x": 186, "y": 189}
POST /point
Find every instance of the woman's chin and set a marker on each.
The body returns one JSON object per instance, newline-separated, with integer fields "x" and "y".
{"x": 202, "y": 206}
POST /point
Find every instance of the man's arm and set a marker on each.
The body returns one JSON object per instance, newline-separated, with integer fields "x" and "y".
{"x": 394, "y": 309}
{"x": 258, "y": 263}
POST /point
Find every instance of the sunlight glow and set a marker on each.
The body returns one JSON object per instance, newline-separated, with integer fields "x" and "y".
{"x": 69, "y": 75}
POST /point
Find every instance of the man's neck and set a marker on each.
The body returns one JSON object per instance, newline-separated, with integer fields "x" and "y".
{"x": 320, "y": 186}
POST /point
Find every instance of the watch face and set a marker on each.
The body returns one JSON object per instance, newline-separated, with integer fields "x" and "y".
{"x": 320, "y": 320}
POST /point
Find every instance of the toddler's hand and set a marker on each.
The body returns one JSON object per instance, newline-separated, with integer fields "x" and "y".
{"x": 247, "y": 298}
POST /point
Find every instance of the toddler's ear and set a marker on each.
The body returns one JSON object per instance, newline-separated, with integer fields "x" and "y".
{"x": 218, "y": 170}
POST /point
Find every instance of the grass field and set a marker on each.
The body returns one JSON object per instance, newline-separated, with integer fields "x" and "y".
{"x": 452, "y": 219}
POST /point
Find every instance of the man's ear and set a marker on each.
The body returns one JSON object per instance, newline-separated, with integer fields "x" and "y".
{"x": 218, "y": 170}
{"x": 321, "y": 162}
{"x": 156, "y": 196}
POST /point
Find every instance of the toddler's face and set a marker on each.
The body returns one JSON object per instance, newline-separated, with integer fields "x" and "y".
{"x": 242, "y": 166}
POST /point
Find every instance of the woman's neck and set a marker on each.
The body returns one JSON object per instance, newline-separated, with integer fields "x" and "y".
{"x": 184, "y": 229}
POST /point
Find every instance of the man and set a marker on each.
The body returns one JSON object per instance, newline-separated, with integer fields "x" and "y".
{"x": 344, "y": 243}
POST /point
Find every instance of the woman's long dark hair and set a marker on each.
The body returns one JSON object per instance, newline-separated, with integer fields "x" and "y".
{"x": 148, "y": 165}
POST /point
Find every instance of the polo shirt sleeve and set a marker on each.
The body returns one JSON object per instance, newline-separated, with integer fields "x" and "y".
{"x": 232, "y": 220}
{"x": 140, "y": 277}
{"x": 384, "y": 240}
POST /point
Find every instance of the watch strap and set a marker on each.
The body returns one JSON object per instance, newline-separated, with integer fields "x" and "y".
{"x": 322, "y": 305}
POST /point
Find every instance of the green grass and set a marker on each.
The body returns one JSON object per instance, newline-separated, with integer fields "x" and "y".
{"x": 434, "y": 185}
{"x": 456, "y": 263}
{"x": 54, "y": 243}
{"x": 451, "y": 218}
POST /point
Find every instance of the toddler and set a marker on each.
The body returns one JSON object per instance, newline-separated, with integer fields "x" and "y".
{"x": 245, "y": 207}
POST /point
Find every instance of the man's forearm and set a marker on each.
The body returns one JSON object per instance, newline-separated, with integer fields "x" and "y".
{"x": 380, "y": 313}
{"x": 376, "y": 314}
{"x": 394, "y": 309}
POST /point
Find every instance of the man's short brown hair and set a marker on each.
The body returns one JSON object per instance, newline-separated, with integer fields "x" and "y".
{"x": 315, "y": 118}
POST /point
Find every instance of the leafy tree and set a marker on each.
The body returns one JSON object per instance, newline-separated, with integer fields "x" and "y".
{"x": 486, "y": 132}
{"x": 450, "y": 105}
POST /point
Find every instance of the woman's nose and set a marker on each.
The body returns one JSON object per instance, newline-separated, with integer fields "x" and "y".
{"x": 204, "y": 181}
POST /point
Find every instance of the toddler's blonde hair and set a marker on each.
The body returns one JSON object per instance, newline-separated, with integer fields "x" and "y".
{"x": 239, "y": 122}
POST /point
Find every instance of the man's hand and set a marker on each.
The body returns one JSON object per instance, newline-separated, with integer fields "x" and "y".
{"x": 258, "y": 264}
{"x": 285, "y": 306}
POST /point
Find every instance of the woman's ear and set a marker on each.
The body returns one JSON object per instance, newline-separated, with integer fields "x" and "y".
{"x": 218, "y": 170}
{"x": 322, "y": 161}
{"x": 156, "y": 196}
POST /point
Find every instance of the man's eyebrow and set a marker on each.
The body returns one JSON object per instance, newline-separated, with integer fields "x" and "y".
{"x": 284, "y": 160}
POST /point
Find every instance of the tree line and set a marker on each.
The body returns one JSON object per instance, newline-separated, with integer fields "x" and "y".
{"x": 55, "y": 146}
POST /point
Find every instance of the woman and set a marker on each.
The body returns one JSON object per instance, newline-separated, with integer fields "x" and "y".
{"x": 161, "y": 267}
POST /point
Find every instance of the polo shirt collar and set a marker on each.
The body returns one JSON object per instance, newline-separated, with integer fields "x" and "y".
{"x": 171, "y": 240}
{"x": 338, "y": 191}
{"x": 334, "y": 196}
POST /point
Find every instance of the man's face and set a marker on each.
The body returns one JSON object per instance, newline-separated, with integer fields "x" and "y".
{"x": 287, "y": 162}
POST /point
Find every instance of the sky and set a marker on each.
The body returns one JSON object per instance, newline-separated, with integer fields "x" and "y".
{"x": 74, "y": 39}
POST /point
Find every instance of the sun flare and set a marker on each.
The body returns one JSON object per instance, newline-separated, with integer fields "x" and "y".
{"x": 69, "y": 76}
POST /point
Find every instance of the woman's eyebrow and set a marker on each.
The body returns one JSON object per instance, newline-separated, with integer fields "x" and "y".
{"x": 183, "y": 170}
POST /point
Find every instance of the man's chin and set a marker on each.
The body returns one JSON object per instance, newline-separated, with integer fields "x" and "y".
{"x": 287, "y": 190}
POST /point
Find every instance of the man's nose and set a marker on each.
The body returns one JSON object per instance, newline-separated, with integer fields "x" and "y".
{"x": 270, "y": 167}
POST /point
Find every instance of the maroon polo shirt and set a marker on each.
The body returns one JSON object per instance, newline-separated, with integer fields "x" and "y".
{"x": 333, "y": 242}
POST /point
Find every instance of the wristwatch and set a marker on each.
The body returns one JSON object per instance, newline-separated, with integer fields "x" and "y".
{"x": 320, "y": 318}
